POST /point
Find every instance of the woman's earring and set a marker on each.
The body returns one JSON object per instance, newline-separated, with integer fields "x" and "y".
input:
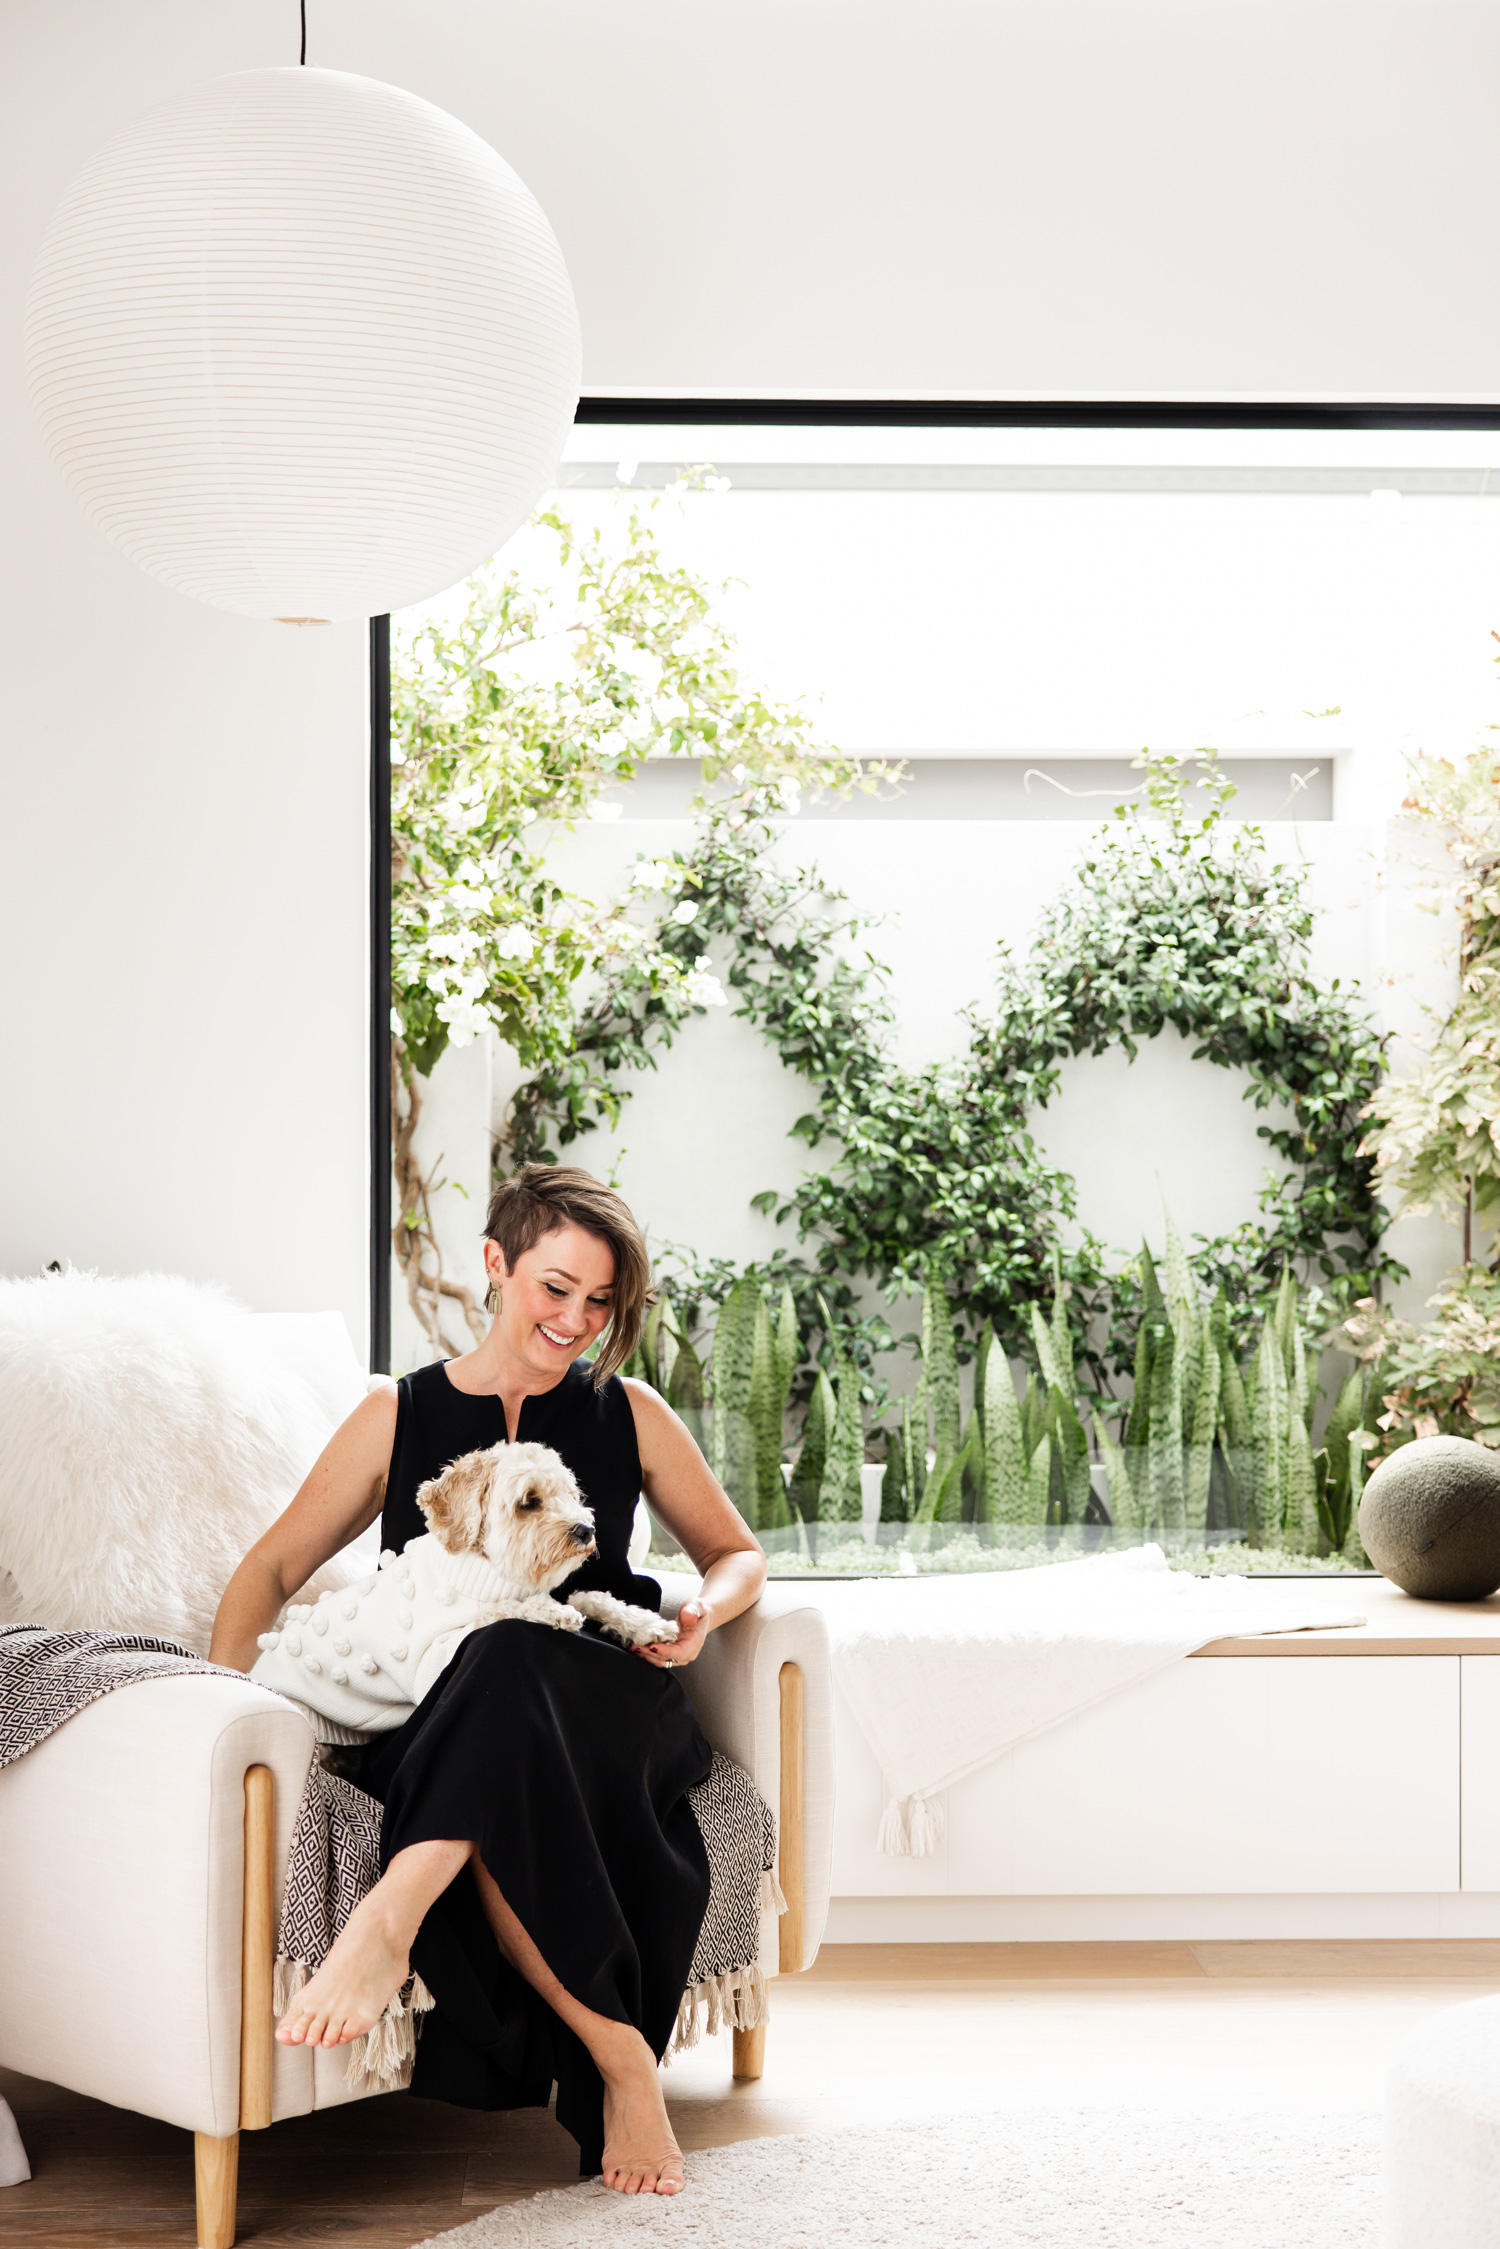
{"x": 492, "y": 1300}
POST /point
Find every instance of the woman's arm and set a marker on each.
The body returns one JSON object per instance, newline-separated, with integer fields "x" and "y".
{"x": 341, "y": 1497}
{"x": 694, "y": 1506}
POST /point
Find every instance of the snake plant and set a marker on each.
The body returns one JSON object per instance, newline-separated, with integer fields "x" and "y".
{"x": 1211, "y": 1440}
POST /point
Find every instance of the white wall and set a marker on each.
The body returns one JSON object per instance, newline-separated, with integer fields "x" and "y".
{"x": 840, "y": 196}
{"x": 182, "y": 908}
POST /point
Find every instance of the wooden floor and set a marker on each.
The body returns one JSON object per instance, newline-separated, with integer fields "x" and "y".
{"x": 872, "y": 2032}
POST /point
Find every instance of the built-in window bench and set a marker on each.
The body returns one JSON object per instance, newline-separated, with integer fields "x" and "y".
{"x": 1310, "y": 1784}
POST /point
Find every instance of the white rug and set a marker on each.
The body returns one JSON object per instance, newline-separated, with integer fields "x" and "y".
{"x": 1100, "y": 2179}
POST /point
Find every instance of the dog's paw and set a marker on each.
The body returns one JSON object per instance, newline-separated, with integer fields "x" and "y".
{"x": 542, "y": 1609}
{"x": 623, "y": 1621}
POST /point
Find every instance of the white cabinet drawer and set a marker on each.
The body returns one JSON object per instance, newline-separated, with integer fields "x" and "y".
{"x": 1481, "y": 1771}
{"x": 1232, "y": 1775}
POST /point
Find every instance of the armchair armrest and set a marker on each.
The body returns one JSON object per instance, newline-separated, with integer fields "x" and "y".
{"x": 735, "y": 1688}
{"x": 121, "y": 1885}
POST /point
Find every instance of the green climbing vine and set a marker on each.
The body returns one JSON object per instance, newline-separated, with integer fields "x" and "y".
{"x": 1177, "y": 916}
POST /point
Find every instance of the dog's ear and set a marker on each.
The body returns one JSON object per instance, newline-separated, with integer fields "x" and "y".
{"x": 453, "y": 1503}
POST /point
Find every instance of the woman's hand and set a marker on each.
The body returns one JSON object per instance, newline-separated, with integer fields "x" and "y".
{"x": 694, "y": 1623}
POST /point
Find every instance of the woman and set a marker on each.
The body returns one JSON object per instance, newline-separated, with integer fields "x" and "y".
{"x": 542, "y": 1868}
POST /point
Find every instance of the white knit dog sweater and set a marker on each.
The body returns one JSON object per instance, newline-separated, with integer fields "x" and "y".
{"x": 366, "y": 1655}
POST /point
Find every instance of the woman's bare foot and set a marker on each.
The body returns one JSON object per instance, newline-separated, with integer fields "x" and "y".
{"x": 351, "y": 1991}
{"x": 640, "y": 2154}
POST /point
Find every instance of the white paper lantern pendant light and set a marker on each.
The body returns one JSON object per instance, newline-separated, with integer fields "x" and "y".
{"x": 303, "y": 346}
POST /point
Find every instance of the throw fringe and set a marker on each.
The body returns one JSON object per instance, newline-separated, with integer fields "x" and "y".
{"x": 735, "y": 2000}
{"x": 771, "y": 1899}
{"x": 288, "y": 1980}
{"x": 910, "y": 1827}
{"x": 381, "y": 2061}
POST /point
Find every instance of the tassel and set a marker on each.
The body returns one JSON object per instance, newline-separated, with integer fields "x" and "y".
{"x": 892, "y": 1836}
{"x": 287, "y": 1980}
{"x": 687, "y": 2030}
{"x": 381, "y": 2061}
{"x": 921, "y": 1827}
{"x": 735, "y": 2000}
{"x": 771, "y": 1897}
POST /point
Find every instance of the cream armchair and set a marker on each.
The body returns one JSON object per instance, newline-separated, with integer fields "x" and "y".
{"x": 141, "y": 1857}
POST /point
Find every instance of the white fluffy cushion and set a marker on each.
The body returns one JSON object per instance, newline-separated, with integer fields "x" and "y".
{"x": 152, "y": 1430}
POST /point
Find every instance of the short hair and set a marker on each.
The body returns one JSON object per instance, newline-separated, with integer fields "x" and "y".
{"x": 543, "y": 1197}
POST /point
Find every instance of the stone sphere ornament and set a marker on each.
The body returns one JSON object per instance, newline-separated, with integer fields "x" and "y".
{"x": 302, "y": 345}
{"x": 1429, "y": 1519}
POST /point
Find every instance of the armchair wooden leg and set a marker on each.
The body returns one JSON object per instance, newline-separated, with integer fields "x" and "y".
{"x": 217, "y": 2165}
{"x": 789, "y": 1820}
{"x": 750, "y": 2045}
{"x": 258, "y": 1954}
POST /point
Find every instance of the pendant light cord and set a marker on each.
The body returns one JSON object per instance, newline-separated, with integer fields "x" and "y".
{"x": 302, "y": 58}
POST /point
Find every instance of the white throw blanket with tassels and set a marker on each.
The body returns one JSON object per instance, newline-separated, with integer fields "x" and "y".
{"x": 944, "y": 1674}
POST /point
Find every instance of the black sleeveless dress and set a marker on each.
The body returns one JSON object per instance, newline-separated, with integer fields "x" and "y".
{"x": 566, "y": 1759}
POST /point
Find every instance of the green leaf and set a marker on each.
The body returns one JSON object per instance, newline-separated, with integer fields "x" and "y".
{"x": 733, "y": 1455}
{"x": 685, "y": 1390}
{"x": 893, "y": 1508}
{"x": 1204, "y": 1430}
{"x": 1073, "y": 1456}
{"x": 1033, "y": 1415}
{"x": 1055, "y": 1372}
{"x": 942, "y": 1502}
{"x": 764, "y": 1412}
{"x": 1269, "y": 1446}
{"x": 1005, "y": 1451}
{"x": 1300, "y": 1526}
{"x": 788, "y": 1343}
{"x": 1345, "y": 1418}
{"x": 914, "y": 1457}
{"x": 1122, "y": 1497}
{"x": 817, "y": 1431}
{"x": 1039, "y": 1479}
{"x": 842, "y": 1498}
{"x": 940, "y": 1370}
{"x": 1164, "y": 1443}
{"x": 1181, "y": 1287}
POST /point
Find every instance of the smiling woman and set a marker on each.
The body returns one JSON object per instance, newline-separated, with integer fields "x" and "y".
{"x": 542, "y": 1867}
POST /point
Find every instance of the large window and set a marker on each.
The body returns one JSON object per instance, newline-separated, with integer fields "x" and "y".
{"x": 1015, "y": 614}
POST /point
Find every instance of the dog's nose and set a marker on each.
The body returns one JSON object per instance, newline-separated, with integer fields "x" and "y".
{"x": 582, "y": 1534}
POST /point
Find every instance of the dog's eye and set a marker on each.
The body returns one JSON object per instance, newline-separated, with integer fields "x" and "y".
{"x": 528, "y": 1499}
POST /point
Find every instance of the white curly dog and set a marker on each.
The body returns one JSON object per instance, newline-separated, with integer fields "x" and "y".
{"x": 505, "y": 1528}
